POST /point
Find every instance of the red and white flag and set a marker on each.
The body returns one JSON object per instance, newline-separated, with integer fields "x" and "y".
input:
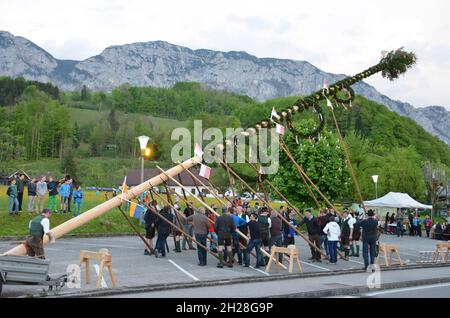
{"x": 198, "y": 151}
{"x": 329, "y": 103}
{"x": 280, "y": 129}
{"x": 205, "y": 172}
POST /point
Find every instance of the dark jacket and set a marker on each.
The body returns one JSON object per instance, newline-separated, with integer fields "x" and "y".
{"x": 149, "y": 218}
{"x": 162, "y": 226}
{"x": 369, "y": 228}
{"x": 255, "y": 233}
{"x": 311, "y": 225}
{"x": 53, "y": 188}
{"x": 31, "y": 189}
{"x": 225, "y": 225}
{"x": 275, "y": 230}
{"x": 20, "y": 185}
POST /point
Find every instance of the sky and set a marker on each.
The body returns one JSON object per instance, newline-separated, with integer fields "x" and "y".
{"x": 342, "y": 37}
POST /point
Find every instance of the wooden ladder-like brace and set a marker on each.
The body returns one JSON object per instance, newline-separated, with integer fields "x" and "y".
{"x": 442, "y": 250}
{"x": 105, "y": 261}
{"x": 293, "y": 253}
{"x": 392, "y": 250}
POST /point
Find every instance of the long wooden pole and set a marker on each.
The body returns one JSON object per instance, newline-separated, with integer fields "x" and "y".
{"x": 212, "y": 210}
{"x": 273, "y": 209}
{"x": 103, "y": 208}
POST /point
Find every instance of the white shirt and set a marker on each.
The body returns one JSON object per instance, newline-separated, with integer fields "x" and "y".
{"x": 45, "y": 224}
{"x": 351, "y": 221}
{"x": 333, "y": 231}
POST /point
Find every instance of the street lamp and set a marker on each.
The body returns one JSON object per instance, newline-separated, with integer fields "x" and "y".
{"x": 143, "y": 140}
{"x": 375, "y": 180}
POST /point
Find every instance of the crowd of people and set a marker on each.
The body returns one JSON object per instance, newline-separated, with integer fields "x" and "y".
{"x": 398, "y": 223}
{"x": 38, "y": 189}
{"x": 241, "y": 229}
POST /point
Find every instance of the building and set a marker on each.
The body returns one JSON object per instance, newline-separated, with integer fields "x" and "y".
{"x": 134, "y": 179}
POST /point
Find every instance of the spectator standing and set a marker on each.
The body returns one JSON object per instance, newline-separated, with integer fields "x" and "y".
{"x": 211, "y": 233}
{"x": 41, "y": 191}
{"x": 333, "y": 232}
{"x": 31, "y": 186}
{"x": 417, "y": 226}
{"x": 78, "y": 197}
{"x": 428, "y": 223}
{"x": 387, "y": 220}
{"x": 289, "y": 232}
{"x": 12, "y": 193}
{"x": 20, "y": 183}
{"x": 52, "y": 187}
{"x": 64, "y": 191}
{"x": 400, "y": 230}
{"x": 69, "y": 199}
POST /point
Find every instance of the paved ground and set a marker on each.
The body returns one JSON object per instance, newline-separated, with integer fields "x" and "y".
{"x": 132, "y": 268}
{"x": 429, "y": 291}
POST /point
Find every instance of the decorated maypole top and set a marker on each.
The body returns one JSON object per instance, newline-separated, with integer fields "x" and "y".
{"x": 391, "y": 66}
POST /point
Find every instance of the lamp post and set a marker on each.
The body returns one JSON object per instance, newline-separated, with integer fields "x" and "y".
{"x": 375, "y": 180}
{"x": 143, "y": 140}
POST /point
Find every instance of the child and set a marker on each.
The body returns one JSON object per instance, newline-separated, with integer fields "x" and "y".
{"x": 52, "y": 187}
{"x": 65, "y": 193}
{"x": 12, "y": 195}
{"x": 78, "y": 196}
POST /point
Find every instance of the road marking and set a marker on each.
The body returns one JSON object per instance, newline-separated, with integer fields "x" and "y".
{"x": 361, "y": 263}
{"x": 183, "y": 270}
{"x": 319, "y": 267}
{"x": 406, "y": 289}
{"x": 258, "y": 270}
{"x": 97, "y": 270}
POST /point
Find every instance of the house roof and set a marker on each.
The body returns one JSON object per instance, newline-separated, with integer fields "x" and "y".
{"x": 134, "y": 177}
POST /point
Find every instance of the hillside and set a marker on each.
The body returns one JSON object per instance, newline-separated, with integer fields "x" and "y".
{"x": 162, "y": 64}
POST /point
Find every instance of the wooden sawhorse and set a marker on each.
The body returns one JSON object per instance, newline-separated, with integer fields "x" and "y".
{"x": 105, "y": 261}
{"x": 391, "y": 249}
{"x": 442, "y": 249}
{"x": 293, "y": 253}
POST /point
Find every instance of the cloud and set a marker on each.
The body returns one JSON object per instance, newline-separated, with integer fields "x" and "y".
{"x": 336, "y": 36}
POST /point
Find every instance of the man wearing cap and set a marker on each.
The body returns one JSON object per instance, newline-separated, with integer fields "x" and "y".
{"x": 38, "y": 227}
{"x": 369, "y": 238}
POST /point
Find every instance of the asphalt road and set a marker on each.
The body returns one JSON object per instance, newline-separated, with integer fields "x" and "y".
{"x": 429, "y": 291}
{"x": 132, "y": 268}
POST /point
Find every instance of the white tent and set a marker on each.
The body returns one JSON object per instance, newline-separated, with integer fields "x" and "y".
{"x": 397, "y": 200}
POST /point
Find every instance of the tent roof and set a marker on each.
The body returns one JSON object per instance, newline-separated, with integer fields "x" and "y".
{"x": 396, "y": 200}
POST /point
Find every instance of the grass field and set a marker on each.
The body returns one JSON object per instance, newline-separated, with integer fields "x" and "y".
{"x": 110, "y": 223}
{"x": 86, "y": 116}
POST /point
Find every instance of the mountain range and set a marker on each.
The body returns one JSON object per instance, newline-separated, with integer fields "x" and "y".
{"x": 162, "y": 64}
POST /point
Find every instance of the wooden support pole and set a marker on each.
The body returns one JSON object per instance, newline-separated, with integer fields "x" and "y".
{"x": 103, "y": 208}
{"x": 212, "y": 210}
{"x": 273, "y": 209}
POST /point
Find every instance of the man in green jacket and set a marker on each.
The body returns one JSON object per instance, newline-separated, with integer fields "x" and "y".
{"x": 38, "y": 227}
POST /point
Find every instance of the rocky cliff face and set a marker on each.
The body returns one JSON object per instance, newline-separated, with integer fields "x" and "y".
{"x": 162, "y": 64}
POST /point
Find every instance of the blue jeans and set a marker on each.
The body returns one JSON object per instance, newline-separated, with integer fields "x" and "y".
{"x": 161, "y": 243}
{"x": 201, "y": 238}
{"x": 77, "y": 208}
{"x": 256, "y": 244}
{"x": 13, "y": 204}
{"x": 369, "y": 246}
{"x": 213, "y": 237}
{"x": 332, "y": 249}
{"x": 324, "y": 241}
{"x": 276, "y": 241}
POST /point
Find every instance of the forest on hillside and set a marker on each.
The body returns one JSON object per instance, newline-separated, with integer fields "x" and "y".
{"x": 40, "y": 122}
